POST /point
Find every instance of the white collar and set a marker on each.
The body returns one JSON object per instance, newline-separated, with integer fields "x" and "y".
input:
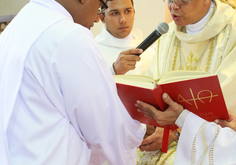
{"x": 131, "y": 41}
{"x": 197, "y": 27}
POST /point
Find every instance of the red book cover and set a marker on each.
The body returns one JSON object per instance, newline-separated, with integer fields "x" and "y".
{"x": 202, "y": 96}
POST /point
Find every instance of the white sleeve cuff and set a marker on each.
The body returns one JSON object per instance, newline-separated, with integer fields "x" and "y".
{"x": 112, "y": 70}
{"x": 143, "y": 127}
{"x": 180, "y": 120}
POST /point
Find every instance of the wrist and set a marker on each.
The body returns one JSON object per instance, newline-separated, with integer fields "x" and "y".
{"x": 173, "y": 136}
{"x": 177, "y": 134}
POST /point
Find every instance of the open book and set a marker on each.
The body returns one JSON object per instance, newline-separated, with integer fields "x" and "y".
{"x": 197, "y": 91}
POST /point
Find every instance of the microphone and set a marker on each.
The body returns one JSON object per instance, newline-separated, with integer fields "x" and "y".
{"x": 162, "y": 28}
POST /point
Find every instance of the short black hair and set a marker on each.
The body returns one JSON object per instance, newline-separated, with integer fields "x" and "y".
{"x": 131, "y": 2}
{"x": 111, "y": 0}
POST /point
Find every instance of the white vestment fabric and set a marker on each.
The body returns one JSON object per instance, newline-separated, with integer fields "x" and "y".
{"x": 111, "y": 47}
{"x": 203, "y": 142}
{"x": 58, "y": 97}
{"x": 212, "y": 50}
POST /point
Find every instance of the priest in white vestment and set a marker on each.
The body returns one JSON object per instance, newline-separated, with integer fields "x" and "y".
{"x": 58, "y": 97}
{"x": 200, "y": 142}
{"x": 202, "y": 37}
{"x": 118, "y": 35}
{"x": 208, "y": 45}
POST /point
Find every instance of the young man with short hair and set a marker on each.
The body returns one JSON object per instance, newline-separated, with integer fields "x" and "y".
{"x": 119, "y": 39}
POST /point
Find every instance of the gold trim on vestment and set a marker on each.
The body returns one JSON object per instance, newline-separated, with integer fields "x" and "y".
{"x": 211, "y": 152}
{"x": 193, "y": 155}
{"x": 202, "y": 130}
{"x": 175, "y": 57}
{"x": 191, "y": 59}
{"x": 210, "y": 54}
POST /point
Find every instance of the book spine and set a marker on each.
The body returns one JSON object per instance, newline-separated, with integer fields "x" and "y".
{"x": 157, "y": 93}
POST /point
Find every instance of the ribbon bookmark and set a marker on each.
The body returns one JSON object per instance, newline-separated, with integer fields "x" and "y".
{"x": 165, "y": 140}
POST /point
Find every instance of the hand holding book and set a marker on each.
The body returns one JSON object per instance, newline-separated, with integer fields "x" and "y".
{"x": 167, "y": 117}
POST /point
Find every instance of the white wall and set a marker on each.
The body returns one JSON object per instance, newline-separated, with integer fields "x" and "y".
{"x": 148, "y": 14}
{"x": 10, "y": 7}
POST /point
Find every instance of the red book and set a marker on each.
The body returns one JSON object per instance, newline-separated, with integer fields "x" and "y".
{"x": 199, "y": 92}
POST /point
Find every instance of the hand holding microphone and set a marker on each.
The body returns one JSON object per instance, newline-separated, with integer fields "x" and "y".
{"x": 162, "y": 28}
{"x": 127, "y": 59}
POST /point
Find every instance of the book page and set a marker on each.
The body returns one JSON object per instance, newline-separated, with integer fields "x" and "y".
{"x": 149, "y": 83}
{"x": 180, "y": 75}
{"x": 136, "y": 80}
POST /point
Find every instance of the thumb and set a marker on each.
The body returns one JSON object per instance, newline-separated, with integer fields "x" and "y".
{"x": 167, "y": 99}
{"x": 173, "y": 106}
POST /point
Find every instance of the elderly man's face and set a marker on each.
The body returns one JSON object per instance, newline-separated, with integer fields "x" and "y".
{"x": 190, "y": 13}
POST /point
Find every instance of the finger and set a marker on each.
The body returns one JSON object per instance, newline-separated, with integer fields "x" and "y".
{"x": 222, "y": 123}
{"x": 150, "y": 147}
{"x": 131, "y": 63}
{"x": 147, "y": 140}
{"x": 130, "y": 58}
{"x": 132, "y": 51}
{"x": 231, "y": 116}
{"x": 145, "y": 147}
{"x": 129, "y": 67}
{"x": 145, "y": 113}
{"x": 143, "y": 106}
{"x": 147, "y": 109}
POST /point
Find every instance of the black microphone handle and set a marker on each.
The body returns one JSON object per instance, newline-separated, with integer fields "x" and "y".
{"x": 149, "y": 40}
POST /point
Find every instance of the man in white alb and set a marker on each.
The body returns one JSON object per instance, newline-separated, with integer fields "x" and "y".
{"x": 58, "y": 97}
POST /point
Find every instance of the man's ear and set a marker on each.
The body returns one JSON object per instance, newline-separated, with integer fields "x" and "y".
{"x": 102, "y": 18}
{"x": 207, "y": 2}
{"x": 134, "y": 14}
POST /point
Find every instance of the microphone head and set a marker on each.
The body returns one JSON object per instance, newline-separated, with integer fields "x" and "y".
{"x": 163, "y": 28}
